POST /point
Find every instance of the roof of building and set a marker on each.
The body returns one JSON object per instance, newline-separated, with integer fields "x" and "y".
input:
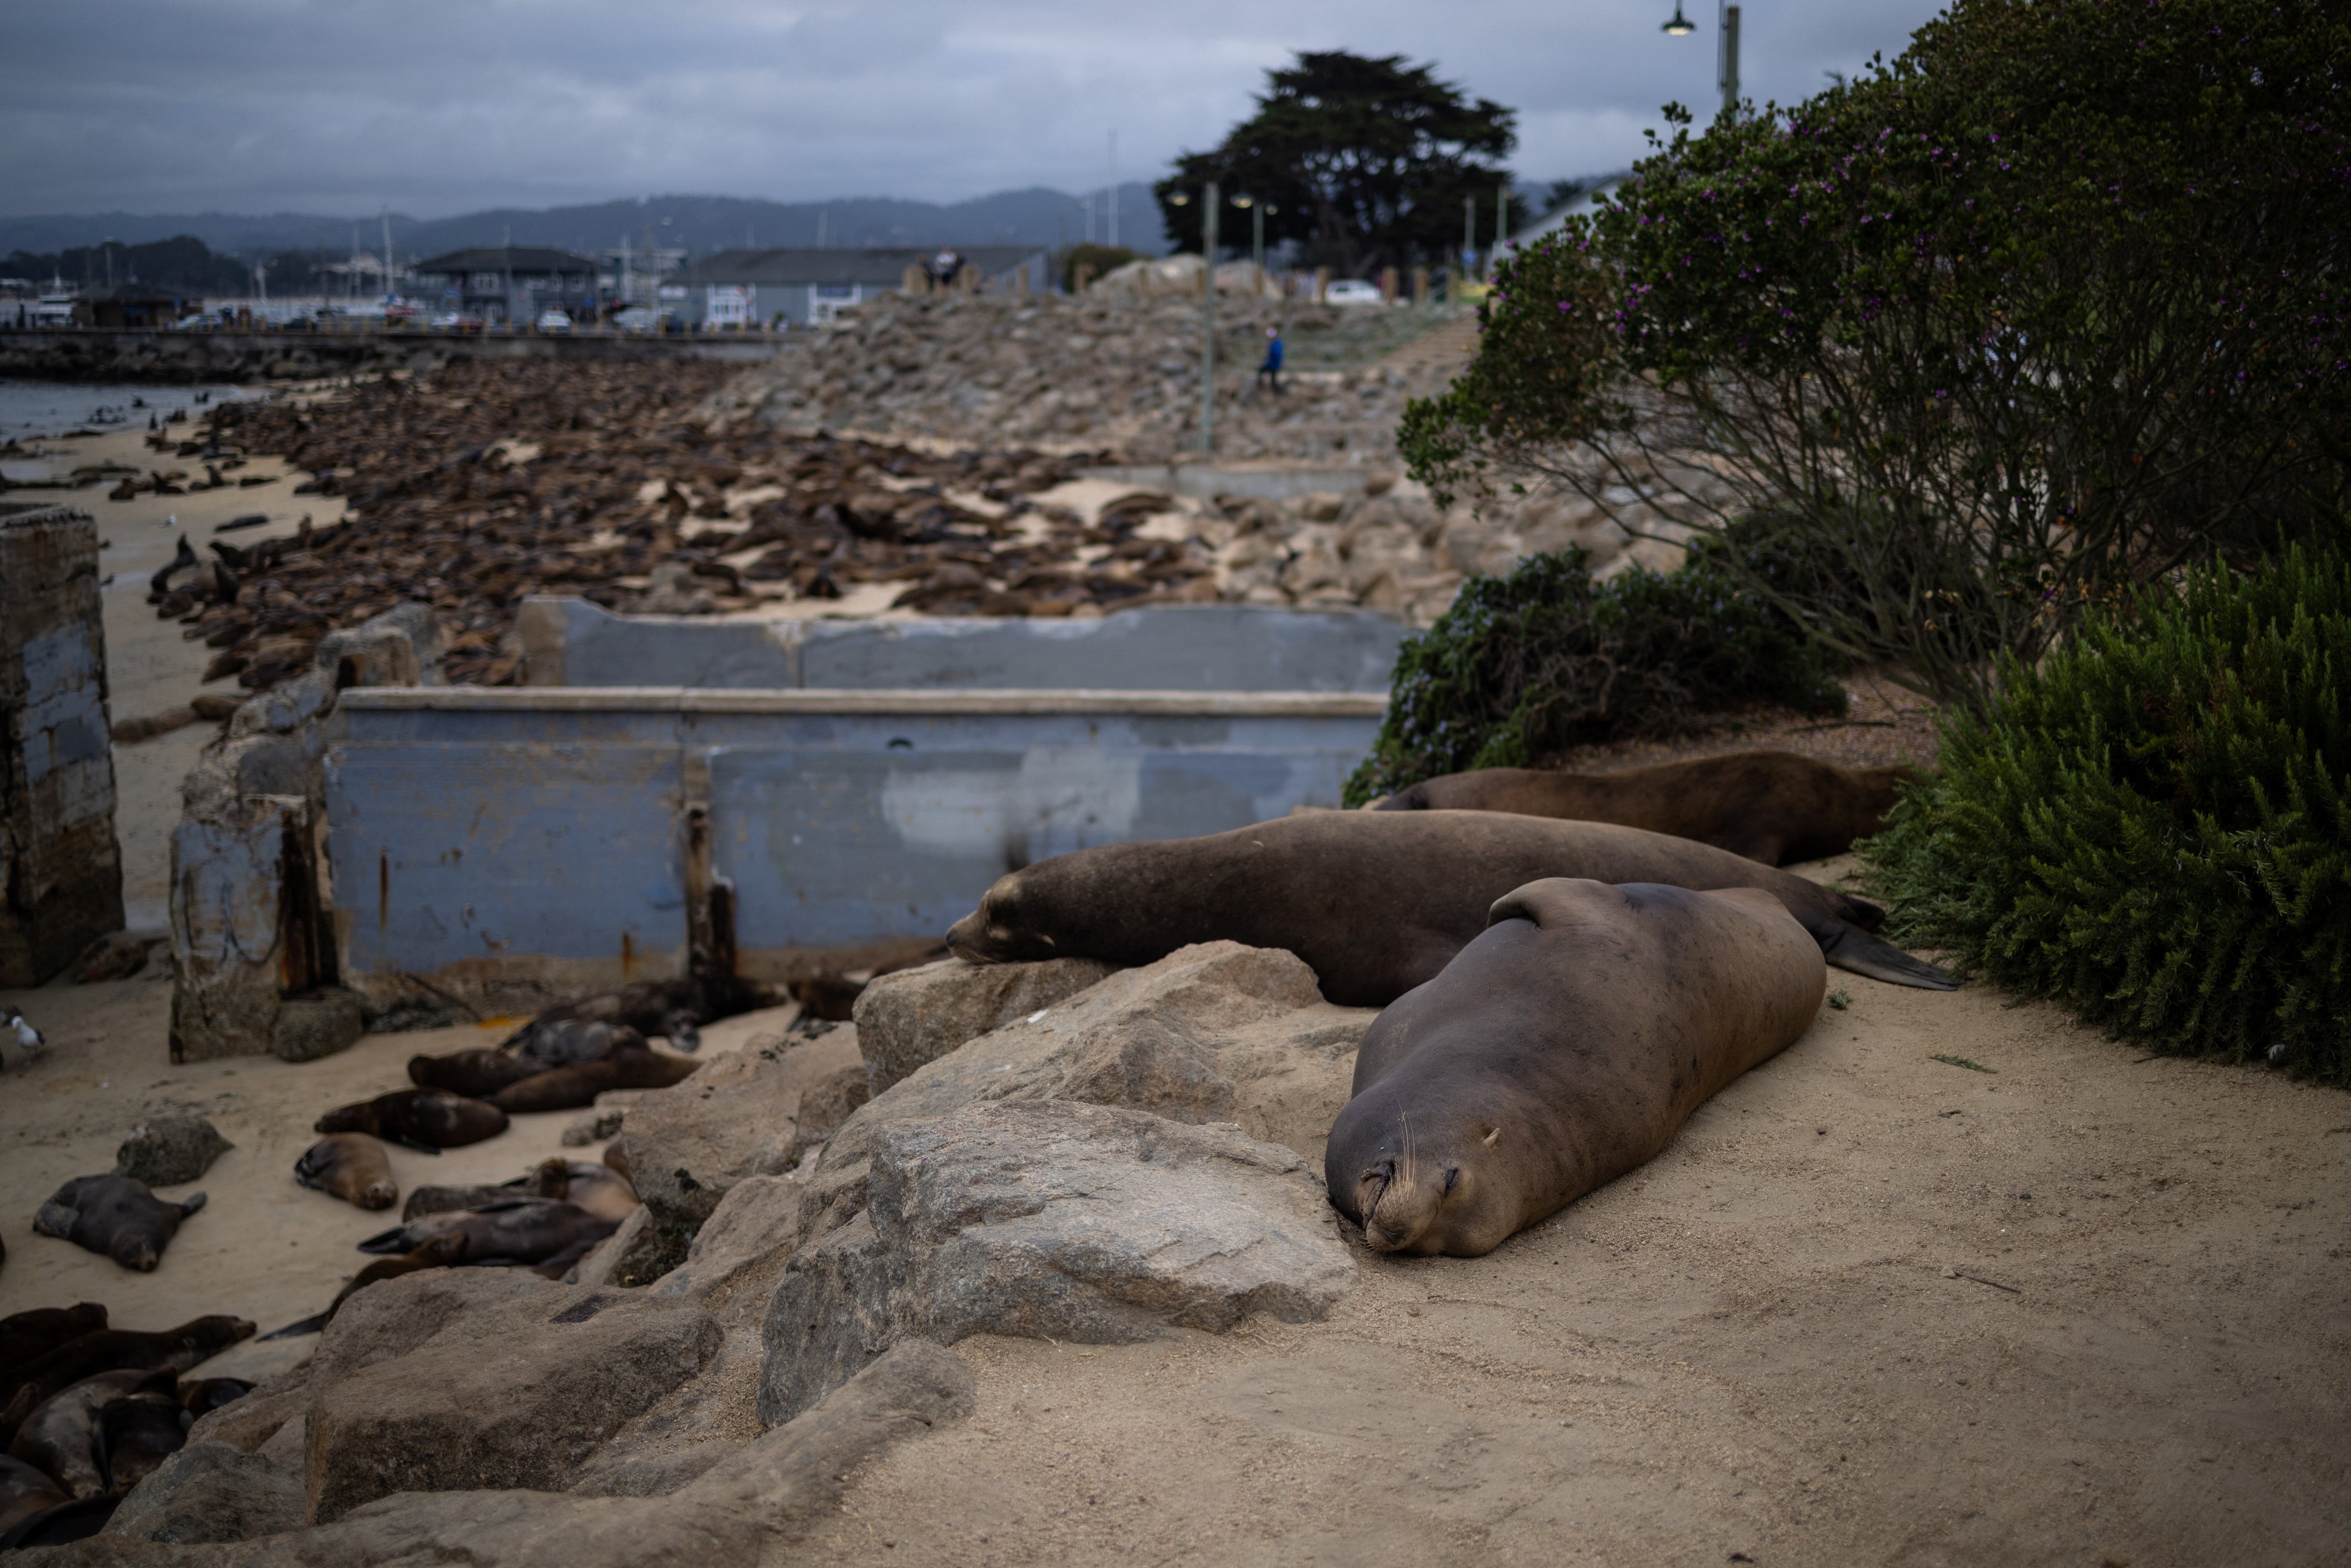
{"x": 522, "y": 258}
{"x": 130, "y": 294}
{"x": 796, "y": 266}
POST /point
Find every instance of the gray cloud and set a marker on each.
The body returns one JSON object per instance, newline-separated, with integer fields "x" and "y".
{"x": 437, "y": 107}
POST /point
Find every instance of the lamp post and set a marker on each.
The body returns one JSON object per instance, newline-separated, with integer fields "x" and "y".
{"x": 1211, "y": 202}
{"x": 1726, "y": 49}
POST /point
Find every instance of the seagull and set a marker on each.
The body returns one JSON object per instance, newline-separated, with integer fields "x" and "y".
{"x": 27, "y": 1036}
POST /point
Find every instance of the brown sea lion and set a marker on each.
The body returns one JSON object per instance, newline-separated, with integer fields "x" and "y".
{"x": 114, "y": 1350}
{"x": 352, "y": 1166}
{"x": 601, "y": 1191}
{"x": 77, "y": 1520}
{"x": 25, "y": 1335}
{"x": 116, "y": 1216}
{"x": 517, "y": 1230}
{"x": 25, "y": 1491}
{"x": 62, "y": 1434}
{"x": 573, "y": 1088}
{"x": 202, "y": 1395}
{"x": 1564, "y": 1047}
{"x": 1769, "y": 806}
{"x": 139, "y": 1431}
{"x": 477, "y": 1074}
{"x": 1375, "y": 902}
{"x": 675, "y": 1009}
{"x": 420, "y": 1118}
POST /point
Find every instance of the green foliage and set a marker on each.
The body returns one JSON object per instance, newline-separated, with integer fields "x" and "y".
{"x": 2046, "y": 308}
{"x": 1524, "y": 666}
{"x": 183, "y": 263}
{"x": 1365, "y": 163}
{"x": 1099, "y": 260}
{"x": 2154, "y": 825}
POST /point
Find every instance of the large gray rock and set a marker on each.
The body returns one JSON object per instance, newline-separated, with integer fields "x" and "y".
{"x": 916, "y": 1015}
{"x": 209, "y": 1491}
{"x": 388, "y": 1320}
{"x": 169, "y": 1150}
{"x": 758, "y": 1504}
{"x": 687, "y": 1145}
{"x": 1062, "y": 1219}
{"x": 517, "y": 1397}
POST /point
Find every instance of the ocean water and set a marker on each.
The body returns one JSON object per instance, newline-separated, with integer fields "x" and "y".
{"x": 29, "y": 409}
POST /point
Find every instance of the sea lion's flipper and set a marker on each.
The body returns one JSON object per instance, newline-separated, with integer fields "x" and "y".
{"x": 499, "y": 1206}
{"x": 388, "y": 1243}
{"x": 1856, "y": 951}
{"x": 295, "y": 1329}
{"x": 193, "y": 1202}
{"x": 412, "y": 1143}
{"x": 54, "y": 1219}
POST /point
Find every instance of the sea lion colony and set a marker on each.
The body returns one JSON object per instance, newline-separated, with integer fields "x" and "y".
{"x": 475, "y": 485}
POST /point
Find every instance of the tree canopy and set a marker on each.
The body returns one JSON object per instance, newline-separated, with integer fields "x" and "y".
{"x": 1366, "y": 163}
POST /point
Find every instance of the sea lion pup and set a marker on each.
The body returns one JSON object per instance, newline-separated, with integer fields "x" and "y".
{"x": 600, "y": 1189}
{"x": 62, "y": 1435}
{"x": 352, "y": 1166}
{"x": 1769, "y": 806}
{"x": 425, "y": 1119}
{"x": 24, "y": 1492}
{"x": 514, "y": 1230}
{"x": 25, "y": 1335}
{"x": 1563, "y": 1048}
{"x": 577, "y": 1086}
{"x": 117, "y": 1217}
{"x": 476, "y": 1074}
{"x": 441, "y": 1252}
{"x": 114, "y": 1350}
{"x": 1375, "y": 902}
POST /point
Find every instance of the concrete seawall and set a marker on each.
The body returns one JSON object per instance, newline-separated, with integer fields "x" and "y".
{"x": 107, "y": 354}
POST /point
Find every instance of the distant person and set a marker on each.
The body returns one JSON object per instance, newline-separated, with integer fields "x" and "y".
{"x": 943, "y": 266}
{"x": 1269, "y": 373}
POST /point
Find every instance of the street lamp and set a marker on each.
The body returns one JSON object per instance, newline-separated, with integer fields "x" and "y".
{"x": 1727, "y": 50}
{"x": 1681, "y": 27}
{"x": 1211, "y": 203}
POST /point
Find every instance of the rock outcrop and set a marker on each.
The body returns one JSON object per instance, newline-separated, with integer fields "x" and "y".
{"x": 1061, "y": 1219}
{"x": 914, "y": 1017}
{"x": 685, "y": 1146}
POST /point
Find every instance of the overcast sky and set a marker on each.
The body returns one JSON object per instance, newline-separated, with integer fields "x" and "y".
{"x": 438, "y": 106}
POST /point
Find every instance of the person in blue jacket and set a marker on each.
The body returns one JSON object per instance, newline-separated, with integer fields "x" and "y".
{"x": 1271, "y": 372}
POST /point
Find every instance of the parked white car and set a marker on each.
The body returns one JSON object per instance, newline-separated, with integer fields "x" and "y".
{"x": 1351, "y": 291}
{"x": 554, "y": 321}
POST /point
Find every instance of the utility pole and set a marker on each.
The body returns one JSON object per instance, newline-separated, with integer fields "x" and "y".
{"x": 1113, "y": 188}
{"x": 1728, "y": 73}
{"x": 387, "y": 256}
{"x": 1208, "y": 322}
{"x": 1502, "y": 222}
{"x": 1468, "y": 232}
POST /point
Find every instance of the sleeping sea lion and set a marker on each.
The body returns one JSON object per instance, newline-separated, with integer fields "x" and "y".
{"x": 24, "y": 1492}
{"x": 477, "y": 1074}
{"x": 1560, "y": 1049}
{"x": 675, "y": 1009}
{"x": 352, "y": 1166}
{"x": 1769, "y": 806}
{"x": 600, "y": 1189}
{"x": 440, "y": 1252}
{"x": 202, "y": 1395}
{"x": 423, "y": 1118}
{"x": 518, "y": 1230}
{"x": 139, "y": 1431}
{"x": 114, "y": 1350}
{"x": 62, "y": 1435}
{"x": 77, "y": 1520}
{"x": 575, "y": 1087}
{"x": 29, "y": 1334}
{"x": 1375, "y": 902}
{"x": 115, "y": 1216}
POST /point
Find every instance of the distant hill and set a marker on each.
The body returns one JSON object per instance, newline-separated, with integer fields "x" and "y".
{"x": 698, "y": 224}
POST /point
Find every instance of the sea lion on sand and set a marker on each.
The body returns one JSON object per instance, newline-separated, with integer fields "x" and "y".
{"x": 117, "y": 1217}
{"x": 516, "y": 1230}
{"x": 25, "y": 1335}
{"x": 62, "y": 1435}
{"x": 352, "y": 1166}
{"x": 1563, "y": 1048}
{"x": 24, "y": 1492}
{"x": 1375, "y": 902}
{"x": 476, "y": 1074}
{"x": 676, "y": 1009}
{"x": 114, "y": 1350}
{"x": 573, "y": 1088}
{"x": 601, "y": 1191}
{"x": 1769, "y": 806}
{"x": 423, "y": 1118}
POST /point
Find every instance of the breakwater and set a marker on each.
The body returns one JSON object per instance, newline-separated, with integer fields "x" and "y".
{"x": 117, "y": 355}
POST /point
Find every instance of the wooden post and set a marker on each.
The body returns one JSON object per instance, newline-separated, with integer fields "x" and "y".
{"x": 1321, "y": 285}
{"x": 1081, "y": 277}
{"x": 914, "y": 280}
{"x": 1420, "y": 285}
{"x": 1387, "y": 285}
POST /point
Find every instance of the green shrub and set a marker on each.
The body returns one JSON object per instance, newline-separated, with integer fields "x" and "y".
{"x": 2152, "y": 826}
{"x": 1524, "y": 666}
